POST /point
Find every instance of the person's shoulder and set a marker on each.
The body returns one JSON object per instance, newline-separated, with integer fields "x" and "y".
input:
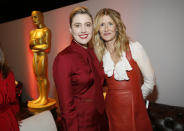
{"x": 32, "y": 31}
{"x": 134, "y": 42}
{"x": 61, "y": 58}
{"x": 46, "y": 29}
{"x": 66, "y": 55}
{"x": 135, "y": 45}
{"x": 65, "y": 58}
{"x": 11, "y": 73}
{"x": 137, "y": 49}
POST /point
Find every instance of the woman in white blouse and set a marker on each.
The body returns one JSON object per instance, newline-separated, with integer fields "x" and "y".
{"x": 128, "y": 72}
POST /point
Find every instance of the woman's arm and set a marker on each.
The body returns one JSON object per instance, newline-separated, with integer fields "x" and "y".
{"x": 11, "y": 93}
{"x": 62, "y": 78}
{"x": 143, "y": 61}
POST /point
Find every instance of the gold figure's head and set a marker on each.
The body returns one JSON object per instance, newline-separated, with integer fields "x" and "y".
{"x": 37, "y": 18}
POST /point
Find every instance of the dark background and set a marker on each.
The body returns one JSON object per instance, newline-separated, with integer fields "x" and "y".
{"x": 12, "y": 10}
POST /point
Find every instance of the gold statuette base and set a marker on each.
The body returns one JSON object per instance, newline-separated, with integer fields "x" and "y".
{"x": 50, "y": 103}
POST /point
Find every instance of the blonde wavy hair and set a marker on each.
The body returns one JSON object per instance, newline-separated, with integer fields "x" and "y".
{"x": 122, "y": 39}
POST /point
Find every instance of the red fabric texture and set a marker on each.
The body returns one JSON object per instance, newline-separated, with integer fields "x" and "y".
{"x": 8, "y": 104}
{"x": 78, "y": 79}
{"x": 124, "y": 102}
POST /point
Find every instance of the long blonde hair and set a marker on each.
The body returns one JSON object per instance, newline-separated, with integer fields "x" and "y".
{"x": 122, "y": 39}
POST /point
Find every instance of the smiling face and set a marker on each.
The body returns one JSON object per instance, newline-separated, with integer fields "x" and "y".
{"x": 81, "y": 28}
{"x": 107, "y": 29}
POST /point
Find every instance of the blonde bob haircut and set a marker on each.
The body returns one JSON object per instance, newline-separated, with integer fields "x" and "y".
{"x": 79, "y": 10}
{"x": 122, "y": 39}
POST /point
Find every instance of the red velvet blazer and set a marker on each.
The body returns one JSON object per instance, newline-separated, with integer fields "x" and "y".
{"x": 8, "y": 103}
{"x": 78, "y": 79}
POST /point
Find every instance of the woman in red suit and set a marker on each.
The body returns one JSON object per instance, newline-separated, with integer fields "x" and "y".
{"x": 8, "y": 103}
{"x": 124, "y": 62}
{"x": 79, "y": 78}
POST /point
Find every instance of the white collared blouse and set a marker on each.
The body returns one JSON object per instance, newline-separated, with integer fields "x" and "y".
{"x": 120, "y": 69}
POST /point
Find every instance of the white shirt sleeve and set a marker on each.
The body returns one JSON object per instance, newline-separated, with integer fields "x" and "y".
{"x": 142, "y": 59}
